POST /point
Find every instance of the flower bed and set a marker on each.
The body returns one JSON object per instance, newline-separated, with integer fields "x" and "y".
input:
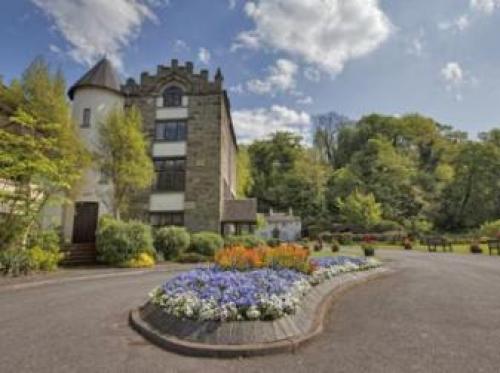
{"x": 257, "y": 294}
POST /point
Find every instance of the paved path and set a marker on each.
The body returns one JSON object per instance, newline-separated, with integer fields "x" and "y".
{"x": 438, "y": 313}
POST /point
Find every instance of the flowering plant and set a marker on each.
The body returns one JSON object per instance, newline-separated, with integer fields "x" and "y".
{"x": 265, "y": 293}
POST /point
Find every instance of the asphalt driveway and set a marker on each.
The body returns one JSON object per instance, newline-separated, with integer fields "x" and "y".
{"x": 437, "y": 313}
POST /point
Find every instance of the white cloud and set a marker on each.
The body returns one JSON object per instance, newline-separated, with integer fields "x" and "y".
{"x": 456, "y": 79}
{"x": 452, "y": 74}
{"x": 312, "y": 74}
{"x": 258, "y": 123}
{"x": 484, "y": 6}
{"x": 180, "y": 45}
{"x": 232, "y": 4}
{"x": 415, "y": 46}
{"x": 326, "y": 33}
{"x": 204, "y": 55}
{"x": 281, "y": 78}
{"x": 306, "y": 100}
{"x": 54, "y": 49}
{"x": 459, "y": 24}
{"x": 94, "y": 28}
{"x": 238, "y": 89}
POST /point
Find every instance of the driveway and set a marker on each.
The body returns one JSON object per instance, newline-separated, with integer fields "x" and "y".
{"x": 437, "y": 313}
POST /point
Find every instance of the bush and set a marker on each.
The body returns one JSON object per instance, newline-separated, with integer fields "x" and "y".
{"x": 326, "y": 237}
{"x": 206, "y": 243}
{"x": 171, "y": 241}
{"x": 247, "y": 240}
{"x": 387, "y": 226}
{"x": 118, "y": 242}
{"x": 191, "y": 258}
{"x": 44, "y": 260}
{"x": 142, "y": 261}
{"x": 491, "y": 229}
{"x": 345, "y": 238}
{"x": 15, "y": 262}
{"x": 273, "y": 242}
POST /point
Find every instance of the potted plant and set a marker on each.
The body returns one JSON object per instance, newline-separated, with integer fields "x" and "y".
{"x": 367, "y": 245}
{"x": 407, "y": 244}
{"x": 475, "y": 247}
{"x": 335, "y": 246}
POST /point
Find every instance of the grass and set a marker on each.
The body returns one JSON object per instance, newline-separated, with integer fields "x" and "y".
{"x": 356, "y": 250}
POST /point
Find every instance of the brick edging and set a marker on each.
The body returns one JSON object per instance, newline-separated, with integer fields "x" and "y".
{"x": 190, "y": 348}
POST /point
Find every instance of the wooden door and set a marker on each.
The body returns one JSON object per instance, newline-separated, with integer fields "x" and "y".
{"x": 85, "y": 222}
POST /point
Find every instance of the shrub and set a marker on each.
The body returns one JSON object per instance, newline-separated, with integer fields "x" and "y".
{"x": 44, "y": 260}
{"x": 248, "y": 240}
{"x": 273, "y": 242}
{"x": 491, "y": 229}
{"x": 191, "y": 258}
{"x": 206, "y": 243}
{"x": 387, "y": 226}
{"x": 171, "y": 241}
{"x": 475, "y": 248}
{"x": 407, "y": 244}
{"x": 335, "y": 246}
{"x": 345, "y": 238}
{"x": 143, "y": 260}
{"x": 118, "y": 242}
{"x": 15, "y": 262}
{"x": 45, "y": 240}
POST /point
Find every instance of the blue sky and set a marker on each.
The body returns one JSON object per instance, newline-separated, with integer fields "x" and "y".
{"x": 283, "y": 60}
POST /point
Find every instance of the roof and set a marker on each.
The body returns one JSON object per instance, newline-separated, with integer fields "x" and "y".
{"x": 102, "y": 75}
{"x": 240, "y": 210}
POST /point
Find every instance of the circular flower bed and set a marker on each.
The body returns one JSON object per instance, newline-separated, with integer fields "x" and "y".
{"x": 257, "y": 294}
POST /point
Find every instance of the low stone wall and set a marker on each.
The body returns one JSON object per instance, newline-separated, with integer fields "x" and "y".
{"x": 246, "y": 338}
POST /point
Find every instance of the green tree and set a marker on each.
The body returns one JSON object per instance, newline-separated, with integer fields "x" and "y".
{"x": 243, "y": 172}
{"x": 41, "y": 157}
{"x": 123, "y": 157}
{"x": 360, "y": 209}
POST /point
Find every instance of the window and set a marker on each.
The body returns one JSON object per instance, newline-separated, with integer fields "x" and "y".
{"x": 172, "y": 97}
{"x": 86, "y": 118}
{"x": 161, "y": 219}
{"x": 170, "y": 174}
{"x": 171, "y": 131}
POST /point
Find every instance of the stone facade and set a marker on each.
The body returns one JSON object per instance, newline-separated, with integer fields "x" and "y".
{"x": 210, "y": 144}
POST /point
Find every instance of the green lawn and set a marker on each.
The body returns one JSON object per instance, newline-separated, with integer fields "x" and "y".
{"x": 356, "y": 249}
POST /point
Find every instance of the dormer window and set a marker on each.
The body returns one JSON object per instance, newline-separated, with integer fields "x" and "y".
{"x": 172, "y": 97}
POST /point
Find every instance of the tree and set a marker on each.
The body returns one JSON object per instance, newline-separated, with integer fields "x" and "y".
{"x": 243, "y": 172}
{"x": 123, "y": 156}
{"x": 360, "y": 209}
{"x": 41, "y": 157}
{"x": 326, "y": 129}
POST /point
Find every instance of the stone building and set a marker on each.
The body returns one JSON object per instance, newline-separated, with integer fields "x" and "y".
{"x": 187, "y": 121}
{"x": 282, "y": 226}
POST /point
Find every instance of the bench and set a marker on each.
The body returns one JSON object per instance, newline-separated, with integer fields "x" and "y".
{"x": 494, "y": 245}
{"x": 434, "y": 243}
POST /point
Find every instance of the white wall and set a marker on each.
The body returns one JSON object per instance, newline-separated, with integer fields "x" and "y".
{"x": 169, "y": 149}
{"x": 166, "y": 201}
{"x": 91, "y": 188}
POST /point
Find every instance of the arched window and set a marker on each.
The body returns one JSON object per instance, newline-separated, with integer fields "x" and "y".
{"x": 172, "y": 96}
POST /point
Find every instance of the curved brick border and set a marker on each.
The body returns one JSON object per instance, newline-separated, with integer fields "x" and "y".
{"x": 246, "y": 338}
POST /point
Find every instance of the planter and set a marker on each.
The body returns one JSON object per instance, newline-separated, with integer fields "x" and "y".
{"x": 476, "y": 250}
{"x": 369, "y": 251}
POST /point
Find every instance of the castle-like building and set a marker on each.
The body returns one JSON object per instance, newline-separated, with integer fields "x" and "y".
{"x": 187, "y": 121}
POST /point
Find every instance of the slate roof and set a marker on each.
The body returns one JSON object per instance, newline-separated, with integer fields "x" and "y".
{"x": 102, "y": 75}
{"x": 240, "y": 211}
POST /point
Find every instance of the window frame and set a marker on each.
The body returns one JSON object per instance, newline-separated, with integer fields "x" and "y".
{"x": 169, "y": 218}
{"x": 86, "y": 118}
{"x": 170, "y": 174}
{"x": 173, "y": 96}
{"x": 180, "y": 130}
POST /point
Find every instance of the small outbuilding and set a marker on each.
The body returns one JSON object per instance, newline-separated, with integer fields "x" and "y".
{"x": 283, "y": 226}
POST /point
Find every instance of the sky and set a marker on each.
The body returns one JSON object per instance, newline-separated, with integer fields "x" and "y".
{"x": 284, "y": 61}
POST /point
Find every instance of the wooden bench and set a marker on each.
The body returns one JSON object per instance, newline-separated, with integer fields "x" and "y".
{"x": 433, "y": 243}
{"x": 494, "y": 245}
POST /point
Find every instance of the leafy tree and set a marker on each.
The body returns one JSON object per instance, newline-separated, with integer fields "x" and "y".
{"x": 41, "y": 157}
{"x": 360, "y": 209}
{"x": 243, "y": 172}
{"x": 123, "y": 157}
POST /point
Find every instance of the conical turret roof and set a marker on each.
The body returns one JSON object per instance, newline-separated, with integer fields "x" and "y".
{"x": 102, "y": 75}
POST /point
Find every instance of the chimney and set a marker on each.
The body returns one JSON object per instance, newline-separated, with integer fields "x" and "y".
{"x": 175, "y": 63}
{"x": 189, "y": 67}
